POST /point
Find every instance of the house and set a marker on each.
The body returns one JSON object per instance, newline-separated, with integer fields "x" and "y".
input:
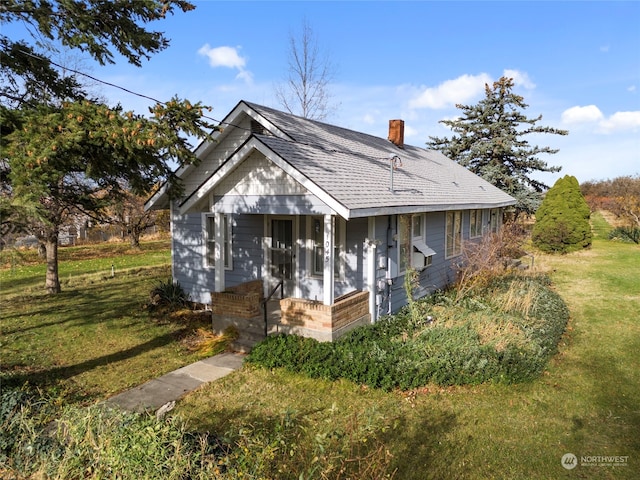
{"x": 330, "y": 216}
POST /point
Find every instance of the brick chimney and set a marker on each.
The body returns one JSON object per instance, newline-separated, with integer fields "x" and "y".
{"x": 396, "y": 132}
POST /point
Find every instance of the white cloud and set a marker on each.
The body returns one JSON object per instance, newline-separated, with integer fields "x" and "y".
{"x": 227, "y": 57}
{"x": 590, "y": 114}
{"x": 520, "y": 78}
{"x": 369, "y": 118}
{"x": 410, "y": 132}
{"x": 631, "y": 89}
{"x": 245, "y": 75}
{"x": 578, "y": 114}
{"x": 621, "y": 121}
{"x": 450, "y": 92}
{"x": 222, "y": 56}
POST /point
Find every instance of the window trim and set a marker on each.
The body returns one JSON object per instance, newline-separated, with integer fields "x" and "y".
{"x": 210, "y": 243}
{"x": 415, "y": 243}
{"x": 340, "y": 228}
{"x": 477, "y": 230}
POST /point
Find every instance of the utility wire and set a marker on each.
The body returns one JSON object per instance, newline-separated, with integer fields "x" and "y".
{"x": 141, "y": 95}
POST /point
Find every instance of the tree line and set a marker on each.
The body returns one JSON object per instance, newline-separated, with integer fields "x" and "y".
{"x": 620, "y": 196}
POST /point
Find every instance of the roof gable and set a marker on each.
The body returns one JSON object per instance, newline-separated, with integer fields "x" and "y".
{"x": 352, "y": 171}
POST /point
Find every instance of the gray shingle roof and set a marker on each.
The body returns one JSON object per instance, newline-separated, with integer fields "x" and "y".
{"x": 354, "y": 169}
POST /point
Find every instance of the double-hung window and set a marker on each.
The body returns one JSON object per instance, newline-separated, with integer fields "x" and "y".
{"x": 412, "y": 249}
{"x": 453, "y": 234}
{"x": 316, "y": 246}
{"x": 475, "y": 223}
{"x": 494, "y": 222}
{"x": 210, "y": 234}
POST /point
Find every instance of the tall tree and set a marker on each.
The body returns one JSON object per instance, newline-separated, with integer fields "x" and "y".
{"x": 490, "y": 140}
{"x": 61, "y": 150}
{"x": 78, "y": 156}
{"x": 305, "y": 91}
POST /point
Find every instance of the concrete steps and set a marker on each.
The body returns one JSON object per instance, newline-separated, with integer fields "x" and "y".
{"x": 251, "y": 330}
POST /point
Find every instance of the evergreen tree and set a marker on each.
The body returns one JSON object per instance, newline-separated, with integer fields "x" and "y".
{"x": 63, "y": 152}
{"x": 490, "y": 141}
{"x": 562, "y": 221}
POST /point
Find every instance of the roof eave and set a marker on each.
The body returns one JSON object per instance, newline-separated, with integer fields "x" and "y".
{"x": 409, "y": 209}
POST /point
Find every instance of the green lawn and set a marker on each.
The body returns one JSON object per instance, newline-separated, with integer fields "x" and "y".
{"x": 96, "y": 339}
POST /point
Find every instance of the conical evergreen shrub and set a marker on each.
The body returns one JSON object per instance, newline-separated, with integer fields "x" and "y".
{"x": 562, "y": 221}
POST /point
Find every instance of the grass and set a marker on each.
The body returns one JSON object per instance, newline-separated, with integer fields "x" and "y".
{"x": 95, "y": 338}
{"x": 586, "y": 403}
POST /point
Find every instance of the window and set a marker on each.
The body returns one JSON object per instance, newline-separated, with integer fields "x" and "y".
{"x": 453, "y": 242}
{"x": 475, "y": 223}
{"x": 211, "y": 241}
{"x": 411, "y": 245}
{"x": 494, "y": 222}
{"x": 316, "y": 242}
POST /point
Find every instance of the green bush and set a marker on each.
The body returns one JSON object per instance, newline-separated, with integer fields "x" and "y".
{"x": 625, "y": 234}
{"x": 169, "y": 294}
{"x": 562, "y": 221}
{"x": 403, "y": 351}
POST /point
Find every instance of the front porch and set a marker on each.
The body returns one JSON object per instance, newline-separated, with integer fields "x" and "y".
{"x": 245, "y": 308}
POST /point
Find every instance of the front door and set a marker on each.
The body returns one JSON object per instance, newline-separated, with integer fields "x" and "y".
{"x": 282, "y": 255}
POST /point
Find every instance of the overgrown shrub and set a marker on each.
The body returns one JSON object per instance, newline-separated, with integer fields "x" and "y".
{"x": 24, "y": 416}
{"x": 625, "y": 234}
{"x": 504, "y": 332}
{"x": 488, "y": 258}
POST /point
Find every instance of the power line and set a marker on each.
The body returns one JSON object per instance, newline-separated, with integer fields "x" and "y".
{"x": 119, "y": 87}
{"x": 141, "y": 95}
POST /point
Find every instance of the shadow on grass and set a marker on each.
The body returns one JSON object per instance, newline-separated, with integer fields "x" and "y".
{"x": 420, "y": 443}
{"x": 53, "y": 375}
{"x": 412, "y": 448}
{"x": 614, "y": 388}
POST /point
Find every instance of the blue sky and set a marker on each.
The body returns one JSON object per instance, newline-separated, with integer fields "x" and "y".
{"x": 575, "y": 63}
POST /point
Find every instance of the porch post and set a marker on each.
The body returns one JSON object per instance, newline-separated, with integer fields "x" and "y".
{"x": 219, "y": 252}
{"x": 329, "y": 260}
{"x": 371, "y": 268}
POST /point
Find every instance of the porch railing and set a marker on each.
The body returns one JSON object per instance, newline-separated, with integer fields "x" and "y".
{"x": 279, "y": 285}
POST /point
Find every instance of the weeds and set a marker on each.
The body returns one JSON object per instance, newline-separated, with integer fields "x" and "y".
{"x": 169, "y": 294}
{"x": 626, "y": 234}
{"x": 209, "y": 343}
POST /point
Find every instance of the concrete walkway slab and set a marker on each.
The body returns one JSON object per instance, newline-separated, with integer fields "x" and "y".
{"x": 153, "y": 394}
